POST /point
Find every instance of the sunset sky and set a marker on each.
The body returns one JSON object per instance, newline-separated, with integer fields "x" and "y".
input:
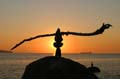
{"x": 21, "y": 19}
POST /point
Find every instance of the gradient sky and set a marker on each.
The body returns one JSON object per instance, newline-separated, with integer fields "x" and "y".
{"x": 20, "y": 19}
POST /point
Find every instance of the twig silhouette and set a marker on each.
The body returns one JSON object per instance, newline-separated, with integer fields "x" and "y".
{"x": 98, "y": 31}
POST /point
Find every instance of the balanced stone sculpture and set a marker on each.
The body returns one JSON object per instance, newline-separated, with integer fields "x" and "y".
{"x": 58, "y": 67}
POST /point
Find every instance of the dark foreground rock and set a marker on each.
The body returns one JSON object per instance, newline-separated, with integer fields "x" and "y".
{"x": 57, "y": 68}
{"x": 93, "y": 68}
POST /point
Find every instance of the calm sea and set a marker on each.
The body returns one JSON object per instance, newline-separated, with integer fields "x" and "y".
{"x": 12, "y": 65}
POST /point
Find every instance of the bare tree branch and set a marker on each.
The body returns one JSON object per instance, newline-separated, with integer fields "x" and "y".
{"x": 29, "y": 39}
{"x": 98, "y": 31}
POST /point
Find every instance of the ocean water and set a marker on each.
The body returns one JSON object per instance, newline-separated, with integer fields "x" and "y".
{"x": 12, "y": 65}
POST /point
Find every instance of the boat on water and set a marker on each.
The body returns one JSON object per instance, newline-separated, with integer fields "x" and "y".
{"x": 85, "y": 52}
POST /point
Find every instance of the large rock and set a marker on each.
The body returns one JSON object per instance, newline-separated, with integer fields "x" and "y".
{"x": 57, "y": 68}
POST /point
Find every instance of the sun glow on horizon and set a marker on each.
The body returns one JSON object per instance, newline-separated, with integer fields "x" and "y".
{"x": 23, "y": 19}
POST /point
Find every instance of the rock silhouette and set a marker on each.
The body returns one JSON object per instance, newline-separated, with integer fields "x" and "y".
{"x": 57, "y": 68}
{"x": 93, "y": 69}
{"x": 58, "y": 43}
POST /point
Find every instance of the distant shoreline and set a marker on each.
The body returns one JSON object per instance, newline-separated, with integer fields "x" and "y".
{"x": 5, "y": 51}
{"x": 8, "y": 51}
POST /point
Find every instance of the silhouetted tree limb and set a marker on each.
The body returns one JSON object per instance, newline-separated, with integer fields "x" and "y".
{"x": 98, "y": 31}
{"x": 31, "y": 38}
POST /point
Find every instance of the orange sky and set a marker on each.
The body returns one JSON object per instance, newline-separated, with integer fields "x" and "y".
{"x": 22, "y": 19}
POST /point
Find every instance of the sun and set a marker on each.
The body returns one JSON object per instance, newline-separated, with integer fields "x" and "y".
{"x": 64, "y": 49}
